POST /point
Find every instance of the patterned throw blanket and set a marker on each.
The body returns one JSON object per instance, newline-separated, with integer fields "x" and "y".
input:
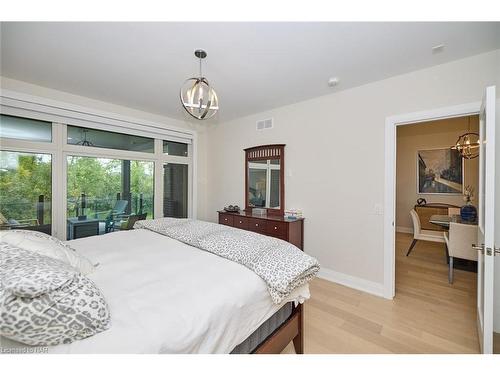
{"x": 280, "y": 264}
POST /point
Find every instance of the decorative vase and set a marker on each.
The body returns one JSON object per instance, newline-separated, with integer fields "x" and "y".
{"x": 468, "y": 213}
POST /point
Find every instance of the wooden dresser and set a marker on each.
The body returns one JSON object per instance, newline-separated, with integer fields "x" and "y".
{"x": 291, "y": 230}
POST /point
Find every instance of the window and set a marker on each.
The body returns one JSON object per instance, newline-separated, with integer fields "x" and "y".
{"x": 101, "y": 180}
{"x": 25, "y": 191}
{"x": 25, "y": 129}
{"x": 175, "y": 190}
{"x": 175, "y": 148}
{"x": 103, "y": 194}
{"x": 105, "y": 139}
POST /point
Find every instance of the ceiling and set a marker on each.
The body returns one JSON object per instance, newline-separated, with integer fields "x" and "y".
{"x": 252, "y": 66}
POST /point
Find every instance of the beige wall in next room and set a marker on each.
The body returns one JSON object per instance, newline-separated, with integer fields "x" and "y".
{"x": 426, "y": 136}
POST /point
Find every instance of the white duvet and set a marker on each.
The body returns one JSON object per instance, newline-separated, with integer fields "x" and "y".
{"x": 169, "y": 297}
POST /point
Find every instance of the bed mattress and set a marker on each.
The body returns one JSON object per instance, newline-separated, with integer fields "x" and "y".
{"x": 265, "y": 330}
{"x": 169, "y": 297}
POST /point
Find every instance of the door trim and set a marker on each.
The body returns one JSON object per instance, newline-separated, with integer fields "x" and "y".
{"x": 391, "y": 123}
{"x": 487, "y": 222}
{"x": 479, "y": 332}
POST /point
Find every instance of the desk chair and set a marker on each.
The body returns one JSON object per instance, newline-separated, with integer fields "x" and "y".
{"x": 423, "y": 235}
{"x": 459, "y": 241}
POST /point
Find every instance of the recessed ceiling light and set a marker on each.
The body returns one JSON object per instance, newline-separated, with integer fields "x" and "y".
{"x": 334, "y": 81}
{"x": 438, "y": 49}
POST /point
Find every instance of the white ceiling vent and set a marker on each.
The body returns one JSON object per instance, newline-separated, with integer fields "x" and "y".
{"x": 265, "y": 124}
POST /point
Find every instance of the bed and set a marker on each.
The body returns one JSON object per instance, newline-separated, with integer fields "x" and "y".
{"x": 168, "y": 297}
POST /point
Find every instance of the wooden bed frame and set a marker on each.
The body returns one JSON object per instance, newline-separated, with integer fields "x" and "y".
{"x": 291, "y": 329}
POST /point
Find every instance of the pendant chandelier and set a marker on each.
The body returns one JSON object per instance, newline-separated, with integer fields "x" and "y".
{"x": 84, "y": 141}
{"x": 197, "y": 96}
{"x": 467, "y": 144}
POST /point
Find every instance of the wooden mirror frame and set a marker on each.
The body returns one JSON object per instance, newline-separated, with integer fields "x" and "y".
{"x": 266, "y": 152}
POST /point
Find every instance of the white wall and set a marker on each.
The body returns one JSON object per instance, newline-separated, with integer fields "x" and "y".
{"x": 335, "y": 158}
{"x": 27, "y": 88}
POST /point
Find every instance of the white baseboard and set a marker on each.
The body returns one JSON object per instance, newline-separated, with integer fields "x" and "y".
{"x": 404, "y": 230}
{"x": 352, "y": 282}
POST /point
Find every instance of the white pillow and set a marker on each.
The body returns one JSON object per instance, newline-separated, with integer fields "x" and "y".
{"x": 44, "y": 244}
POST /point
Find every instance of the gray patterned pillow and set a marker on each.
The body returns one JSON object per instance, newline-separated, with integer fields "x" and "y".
{"x": 27, "y": 274}
{"x": 74, "y": 310}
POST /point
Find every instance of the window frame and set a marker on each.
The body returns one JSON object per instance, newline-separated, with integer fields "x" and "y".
{"x": 16, "y": 104}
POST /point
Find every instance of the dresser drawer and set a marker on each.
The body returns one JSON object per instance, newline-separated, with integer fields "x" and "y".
{"x": 257, "y": 225}
{"x": 276, "y": 229}
{"x": 275, "y": 226}
{"x": 240, "y": 222}
{"x": 226, "y": 219}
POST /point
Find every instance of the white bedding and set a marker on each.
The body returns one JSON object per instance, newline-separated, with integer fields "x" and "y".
{"x": 169, "y": 297}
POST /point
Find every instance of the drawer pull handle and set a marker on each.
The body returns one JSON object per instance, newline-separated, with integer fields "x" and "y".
{"x": 256, "y": 225}
{"x": 241, "y": 222}
{"x": 275, "y": 228}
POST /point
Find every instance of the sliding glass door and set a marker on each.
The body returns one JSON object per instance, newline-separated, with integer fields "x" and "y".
{"x": 104, "y": 195}
{"x": 175, "y": 190}
{"x": 26, "y": 191}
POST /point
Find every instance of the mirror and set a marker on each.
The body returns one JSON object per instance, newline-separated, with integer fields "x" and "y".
{"x": 264, "y": 183}
{"x": 264, "y": 178}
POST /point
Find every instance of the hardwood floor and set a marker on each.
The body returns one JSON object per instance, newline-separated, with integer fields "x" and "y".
{"x": 428, "y": 315}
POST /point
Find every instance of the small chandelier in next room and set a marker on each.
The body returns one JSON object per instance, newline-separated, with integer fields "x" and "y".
{"x": 468, "y": 144}
{"x": 197, "y": 96}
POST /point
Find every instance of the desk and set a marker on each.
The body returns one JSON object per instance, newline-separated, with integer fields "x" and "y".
{"x": 82, "y": 228}
{"x": 427, "y": 210}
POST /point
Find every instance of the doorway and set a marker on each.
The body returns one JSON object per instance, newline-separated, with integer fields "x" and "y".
{"x": 392, "y": 123}
{"x": 432, "y": 180}
{"x": 486, "y": 193}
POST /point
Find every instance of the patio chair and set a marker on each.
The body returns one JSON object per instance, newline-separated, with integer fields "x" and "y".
{"x": 129, "y": 224}
{"x": 13, "y": 223}
{"x": 117, "y": 214}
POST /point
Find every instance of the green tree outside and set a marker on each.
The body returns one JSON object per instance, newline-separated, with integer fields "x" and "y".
{"x": 26, "y": 176}
{"x": 23, "y": 178}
